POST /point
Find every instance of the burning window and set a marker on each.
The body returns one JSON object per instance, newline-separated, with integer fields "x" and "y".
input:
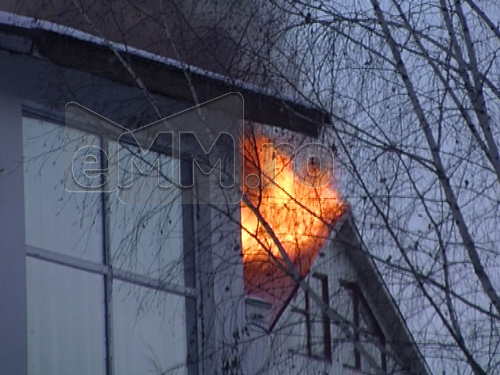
{"x": 294, "y": 194}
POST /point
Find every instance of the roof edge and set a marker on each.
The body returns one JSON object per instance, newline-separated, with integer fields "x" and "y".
{"x": 161, "y": 75}
{"x": 381, "y": 298}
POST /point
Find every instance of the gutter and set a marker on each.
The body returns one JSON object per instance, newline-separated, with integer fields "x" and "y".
{"x": 161, "y": 75}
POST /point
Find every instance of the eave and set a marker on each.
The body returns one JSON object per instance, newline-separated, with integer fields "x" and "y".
{"x": 74, "y": 49}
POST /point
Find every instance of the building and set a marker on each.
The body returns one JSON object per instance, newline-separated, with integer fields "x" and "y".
{"x": 89, "y": 286}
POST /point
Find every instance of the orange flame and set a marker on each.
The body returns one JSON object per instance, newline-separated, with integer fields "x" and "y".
{"x": 300, "y": 215}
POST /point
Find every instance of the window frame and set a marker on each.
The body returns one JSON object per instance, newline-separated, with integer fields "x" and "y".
{"x": 105, "y": 268}
{"x": 359, "y": 301}
{"x": 309, "y": 312}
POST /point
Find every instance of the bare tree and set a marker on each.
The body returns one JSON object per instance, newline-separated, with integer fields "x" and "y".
{"x": 413, "y": 92}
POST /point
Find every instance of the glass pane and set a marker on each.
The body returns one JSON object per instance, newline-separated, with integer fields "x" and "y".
{"x": 317, "y": 327}
{"x": 297, "y": 322}
{"x": 66, "y": 334}
{"x": 317, "y": 286}
{"x": 149, "y": 331}
{"x": 56, "y": 220}
{"x": 344, "y": 299}
{"x": 365, "y": 318}
{"x": 147, "y": 240}
{"x": 297, "y": 341}
{"x": 317, "y": 335}
{"x": 147, "y": 177}
{"x": 146, "y": 236}
{"x": 369, "y": 343}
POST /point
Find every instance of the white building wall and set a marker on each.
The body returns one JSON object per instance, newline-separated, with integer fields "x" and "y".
{"x": 278, "y": 349}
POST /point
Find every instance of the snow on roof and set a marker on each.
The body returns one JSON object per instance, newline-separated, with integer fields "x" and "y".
{"x": 30, "y": 23}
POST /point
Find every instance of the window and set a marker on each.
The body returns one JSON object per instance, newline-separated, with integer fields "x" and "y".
{"x": 110, "y": 287}
{"x": 367, "y": 331}
{"x": 314, "y": 321}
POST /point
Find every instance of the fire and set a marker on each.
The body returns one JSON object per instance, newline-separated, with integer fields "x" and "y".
{"x": 300, "y": 215}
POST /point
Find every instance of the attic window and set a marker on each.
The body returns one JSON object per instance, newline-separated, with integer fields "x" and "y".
{"x": 315, "y": 334}
{"x": 367, "y": 331}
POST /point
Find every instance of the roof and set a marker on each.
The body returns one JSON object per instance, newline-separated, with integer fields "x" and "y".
{"x": 380, "y": 298}
{"x": 75, "y": 49}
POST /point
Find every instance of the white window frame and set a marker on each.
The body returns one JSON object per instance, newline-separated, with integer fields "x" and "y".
{"x": 109, "y": 273}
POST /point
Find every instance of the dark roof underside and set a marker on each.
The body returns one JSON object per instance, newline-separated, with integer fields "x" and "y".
{"x": 168, "y": 79}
